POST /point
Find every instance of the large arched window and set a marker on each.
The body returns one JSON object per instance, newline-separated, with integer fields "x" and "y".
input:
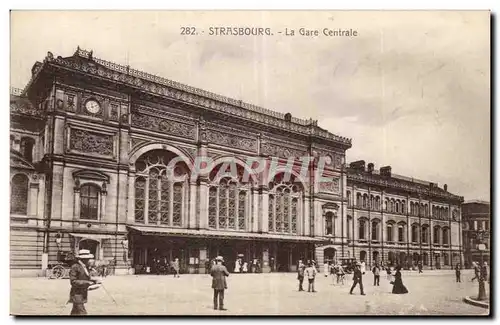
{"x": 19, "y": 194}
{"x": 89, "y": 202}
{"x": 160, "y": 189}
{"x": 227, "y": 201}
{"x": 377, "y": 203}
{"x": 285, "y": 196}
{"x": 403, "y": 207}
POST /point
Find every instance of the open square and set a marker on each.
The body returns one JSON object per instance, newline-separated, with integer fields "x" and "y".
{"x": 430, "y": 293}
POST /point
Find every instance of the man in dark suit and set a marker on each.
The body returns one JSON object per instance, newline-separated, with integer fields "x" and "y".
{"x": 219, "y": 284}
{"x": 79, "y": 278}
{"x": 358, "y": 278}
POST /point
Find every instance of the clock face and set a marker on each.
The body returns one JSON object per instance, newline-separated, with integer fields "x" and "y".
{"x": 92, "y": 107}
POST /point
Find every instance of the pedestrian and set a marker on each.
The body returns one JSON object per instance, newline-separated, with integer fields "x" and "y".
{"x": 398, "y": 287}
{"x": 176, "y": 267}
{"x": 420, "y": 267}
{"x": 310, "y": 272}
{"x": 376, "y": 275}
{"x": 457, "y": 272}
{"x": 326, "y": 268}
{"x": 219, "y": 284}
{"x": 389, "y": 273}
{"x": 300, "y": 274}
{"x": 476, "y": 271}
{"x": 340, "y": 273}
{"x": 358, "y": 278}
{"x": 80, "y": 280}
{"x": 237, "y": 266}
{"x": 245, "y": 267}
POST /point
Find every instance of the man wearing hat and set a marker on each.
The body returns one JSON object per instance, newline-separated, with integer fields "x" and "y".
{"x": 80, "y": 280}
{"x": 219, "y": 284}
{"x": 358, "y": 278}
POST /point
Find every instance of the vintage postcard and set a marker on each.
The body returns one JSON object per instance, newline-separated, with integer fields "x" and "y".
{"x": 250, "y": 163}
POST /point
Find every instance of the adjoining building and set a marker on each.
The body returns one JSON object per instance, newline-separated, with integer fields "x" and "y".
{"x": 98, "y": 151}
{"x": 476, "y": 231}
{"x": 401, "y": 220}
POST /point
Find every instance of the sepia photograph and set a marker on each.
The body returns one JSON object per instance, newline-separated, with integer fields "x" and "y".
{"x": 250, "y": 163}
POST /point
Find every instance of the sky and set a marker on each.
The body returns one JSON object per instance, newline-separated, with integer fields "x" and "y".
{"x": 412, "y": 89}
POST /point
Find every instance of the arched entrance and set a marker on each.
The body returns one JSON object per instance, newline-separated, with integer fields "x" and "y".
{"x": 90, "y": 244}
{"x": 437, "y": 261}
{"x": 375, "y": 257}
{"x": 362, "y": 256}
{"x": 329, "y": 255}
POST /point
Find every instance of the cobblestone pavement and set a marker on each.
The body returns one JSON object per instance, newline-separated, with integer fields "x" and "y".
{"x": 431, "y": 293}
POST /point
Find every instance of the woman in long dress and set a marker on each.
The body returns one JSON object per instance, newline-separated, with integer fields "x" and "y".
{"x": 398, "y": 287}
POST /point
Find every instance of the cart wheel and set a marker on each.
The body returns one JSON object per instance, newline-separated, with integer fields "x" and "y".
{"x": 58, "y": 272}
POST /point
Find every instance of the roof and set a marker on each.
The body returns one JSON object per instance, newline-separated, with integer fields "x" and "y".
{"x": 204, "y": 233}
{"x": 403, "y": 183}
{"x": 477, "y": 202}
{"x": 85, "y": 62}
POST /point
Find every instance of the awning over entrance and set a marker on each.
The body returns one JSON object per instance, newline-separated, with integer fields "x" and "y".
{"x": 203, "y": 233}
{"x": 97, "y": 237}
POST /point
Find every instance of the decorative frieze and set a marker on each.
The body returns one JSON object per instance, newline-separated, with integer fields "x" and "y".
{"x": 332, "y": 186}
{"x": 275, "y": 150}
{"x": 161, "y": 86}
{"x": 91, "y": 142}
{"x": 162, "y": 125}
{"x": 231, "y": 140}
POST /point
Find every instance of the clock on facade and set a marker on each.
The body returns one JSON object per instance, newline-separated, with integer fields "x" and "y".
{"x": 92, "y": 107}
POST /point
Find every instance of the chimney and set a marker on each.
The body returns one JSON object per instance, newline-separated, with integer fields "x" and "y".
{"x": 385, "y": 171}
{"x": 370, "y": 167}
{"x": 358, "y": 165}
{"x": 445, "y": 187}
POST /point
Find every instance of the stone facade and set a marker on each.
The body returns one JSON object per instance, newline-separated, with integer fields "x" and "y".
{"x": 92, "y": 146}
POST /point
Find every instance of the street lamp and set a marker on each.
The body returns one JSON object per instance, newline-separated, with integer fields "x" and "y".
{"x": 482, "y": 271}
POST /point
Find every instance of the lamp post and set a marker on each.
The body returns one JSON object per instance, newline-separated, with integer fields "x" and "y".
{"x": 482, "y": 272}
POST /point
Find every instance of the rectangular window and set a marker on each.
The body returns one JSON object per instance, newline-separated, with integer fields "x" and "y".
{"x": 374, "y": 231}
{"x": 400, "y": 234}
{"x": 486, "y": 225}
{"x": 436, "y": 236}
{"x": 389, "y": 233}
{"x": 362, "y": 229}
{"x": 348, "y": 228}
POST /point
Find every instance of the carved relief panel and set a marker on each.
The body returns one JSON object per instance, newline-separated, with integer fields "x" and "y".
{"x": 89, "y": 142}
{"x": 159, "y": 124}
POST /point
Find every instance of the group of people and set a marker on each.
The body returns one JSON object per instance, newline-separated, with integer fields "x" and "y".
{"x": 241, "y": 266}
{"x": 309, "y": 271}
{"x": 162, "y": 266}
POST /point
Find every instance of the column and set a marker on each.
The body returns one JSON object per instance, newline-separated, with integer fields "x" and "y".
{"x": 103, "y": 207}
{"x": 76, "y": 213}
{"x": 57, "y": 190}
{"x": 255, "y": 210}
{"x": 59, "y": 135}
{"x": 124, "y": 147}
{"x": 203, "y": 204}
{"x": 264, "y": 211}
{"x": 192, "y": 206}
{"x": 131, "y": 199}
{"x": 121, "y": 214}
{"x": 33, "y": 200}
{"x": 307, "y": 219}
